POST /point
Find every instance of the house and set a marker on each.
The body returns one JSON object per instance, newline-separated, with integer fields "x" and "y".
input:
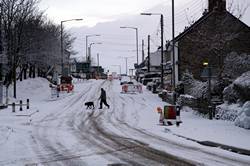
{"x": 79, "y": 68}
{"x": 152, "y": 64}
{"x": 210, "y": 39}
{"x": 84, "y": 70}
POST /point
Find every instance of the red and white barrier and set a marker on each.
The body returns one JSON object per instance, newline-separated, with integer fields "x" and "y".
{"x": 130, "y": 88}
{"x": 169, "y": 115}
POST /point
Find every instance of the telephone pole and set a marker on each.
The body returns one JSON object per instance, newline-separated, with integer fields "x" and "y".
{"x": 143, "y": 56}
{"x": 98, "y": 64}
{"x": 148, "y": 53}
{"x": 173, "y": 48}
{"x": 162, "y": 70}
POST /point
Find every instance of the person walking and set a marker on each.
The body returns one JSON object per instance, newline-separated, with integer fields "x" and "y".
{"x": 103, "y": 98}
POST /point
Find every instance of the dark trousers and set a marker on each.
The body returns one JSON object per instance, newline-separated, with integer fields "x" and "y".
{"x": 105, "y": 103}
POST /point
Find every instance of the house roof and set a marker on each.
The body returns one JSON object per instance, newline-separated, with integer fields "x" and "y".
{"x": 201, "y": 20}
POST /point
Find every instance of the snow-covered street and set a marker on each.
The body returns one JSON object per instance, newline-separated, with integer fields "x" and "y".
{"x": 63, "y": 132}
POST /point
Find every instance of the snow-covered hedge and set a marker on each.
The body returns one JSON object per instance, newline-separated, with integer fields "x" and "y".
{"x": 230, "y": 95}
{"x": 239, "y": 89}
{"x": 242, "y": 86}
{"x": 243, "y": 119}
{"x": 228, "y": 111}
{"x": 194, "y": 87}
{"x": 187, "y": 100}
{"x": 235, "y": 64}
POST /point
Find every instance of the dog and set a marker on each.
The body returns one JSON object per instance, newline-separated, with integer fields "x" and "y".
{"x": 90, "y": 105}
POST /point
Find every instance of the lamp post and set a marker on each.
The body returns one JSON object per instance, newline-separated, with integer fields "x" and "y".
{"x": 90, "y": 50}
{"x": 162, "y": 69}
{"x": 208, "y": 67}
{"x": 87, "y": 36}
{"x": 136, "y": 33}
{"x": 62, "y": 39}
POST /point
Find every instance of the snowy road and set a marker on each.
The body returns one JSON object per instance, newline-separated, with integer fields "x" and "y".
{"x": 68, "y": 134}
{"x": 90, "y": 132}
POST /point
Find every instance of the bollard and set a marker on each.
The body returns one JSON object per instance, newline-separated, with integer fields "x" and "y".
{"x": 28, "y": 104}
{"x": 13, "y": 107}
{"x": 210, "y": 110}
{"x": 214, "y": 110}
{"x": 21, "y": 108}
{"x": 178, "y": 119}
{"x": 57, "y": 90}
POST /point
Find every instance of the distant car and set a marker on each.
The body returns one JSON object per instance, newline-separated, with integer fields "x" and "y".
{"x": 130, "y": 82}
{"x": 123, "y": 82}
{"x": 145, "y": 81}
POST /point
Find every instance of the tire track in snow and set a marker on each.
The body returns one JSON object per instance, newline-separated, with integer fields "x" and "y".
{"x": 61, "y": 153}
{"x": 120, "y": 124}
{"x": 127, "y": 150}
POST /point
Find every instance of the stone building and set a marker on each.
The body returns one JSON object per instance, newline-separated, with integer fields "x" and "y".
{"x": 210, "y": 39}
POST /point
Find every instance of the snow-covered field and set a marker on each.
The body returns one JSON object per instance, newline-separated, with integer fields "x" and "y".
{"x": 54, "y": 128}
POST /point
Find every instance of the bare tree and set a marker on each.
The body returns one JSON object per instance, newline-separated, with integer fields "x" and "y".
{"x": 14, "y": 14}
{"x": 31, "y": 40}
{"x": 238, "y": 9}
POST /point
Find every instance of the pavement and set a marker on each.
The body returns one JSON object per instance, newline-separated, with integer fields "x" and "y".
{"x": 218, "y": 145}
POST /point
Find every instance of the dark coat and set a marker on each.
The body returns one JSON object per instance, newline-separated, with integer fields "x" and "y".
{"x": 103, "y": 94}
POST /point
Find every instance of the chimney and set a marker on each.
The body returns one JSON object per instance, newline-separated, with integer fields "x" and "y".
{"x": 219, "y": 5}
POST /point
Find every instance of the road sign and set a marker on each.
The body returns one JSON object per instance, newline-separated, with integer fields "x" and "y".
{"x": 205, "y": 72}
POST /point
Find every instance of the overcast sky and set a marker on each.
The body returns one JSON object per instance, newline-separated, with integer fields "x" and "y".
{"x": 97, "y": 11}
{"x": 93, "y": 11}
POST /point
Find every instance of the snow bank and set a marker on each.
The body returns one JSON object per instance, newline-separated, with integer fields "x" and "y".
{"x": 228, "y": 111}
{"x": 243, "y": 120}
{"x": 35, "y": 89}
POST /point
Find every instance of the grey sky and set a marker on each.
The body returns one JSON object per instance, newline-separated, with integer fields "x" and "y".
{"x": 97, "y": 11}
{"x": 94, "y": 11}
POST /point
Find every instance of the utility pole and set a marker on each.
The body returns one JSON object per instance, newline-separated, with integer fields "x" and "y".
{"x": 173, "y": 48}
{"x": 137, "y": 52}
{"x": 62, "y": 55}
{"x": 162, "y": 70}
{"x": 126, "y": 59}
{"x": 143, "y": 51}
{"x": 14, "y": 75}
{"x": 148, "y": 53}
{"x": 98, "y": 64}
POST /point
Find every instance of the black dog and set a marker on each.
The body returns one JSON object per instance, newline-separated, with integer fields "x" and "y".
{"x": 90, "y": 105}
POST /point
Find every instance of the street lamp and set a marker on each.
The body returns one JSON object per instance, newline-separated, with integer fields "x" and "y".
{"x": 87, "y": 36}
{"x": 208, "y": 68}
{"x": 136, "y": 32}
{"x": 162, "y": 70}
{"x": 62, "y": 39}
{"x": 90, "y": 50}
